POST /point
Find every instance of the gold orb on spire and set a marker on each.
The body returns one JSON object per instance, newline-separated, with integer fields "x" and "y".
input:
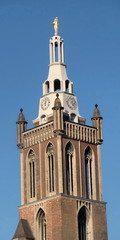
{"x": 56, "y": 25}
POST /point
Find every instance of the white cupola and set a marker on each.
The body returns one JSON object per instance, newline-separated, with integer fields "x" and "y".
{"x": 57, "y": 81}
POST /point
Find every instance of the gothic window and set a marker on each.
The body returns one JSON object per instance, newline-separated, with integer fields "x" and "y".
{"x": 31, "y": 170}
{"x": 82, "y": 224}
{"x": 57, "y": 85}
{"x": 69, "y": 168}
{"x": 41, "y": 225}
{"x": 88, "y": 172}
{"x": 50, "y": 164}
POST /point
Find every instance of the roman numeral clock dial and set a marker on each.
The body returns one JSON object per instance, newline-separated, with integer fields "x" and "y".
{"x": 71, "y": 102}
{"x": 45, "y": 103}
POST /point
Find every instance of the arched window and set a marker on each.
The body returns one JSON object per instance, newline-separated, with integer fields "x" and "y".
{"x": 56, "y": 51}
{"x": 43, "y": 119}
{"x": 57, "y": 86}
{"x": 47, "y": 87}
{"x": 41, "y": 225}
{"x": 82, "y": 224}
{"x": 67, "y": 85}
{"x": 88, "y": 172}
{"x": 73, "y": 117}
{"x": 31, "y": 173}
{"x": 69, "y": 168}
{"x": 50, "y": 163}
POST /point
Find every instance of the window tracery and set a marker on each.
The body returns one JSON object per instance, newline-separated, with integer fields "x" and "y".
{"x": 31, "y": 168}
{"x": 88, "y": 172}
{"x": 69, "y": 168}
{"x": 50, "y": 163}
{"x": 41, "y": 225}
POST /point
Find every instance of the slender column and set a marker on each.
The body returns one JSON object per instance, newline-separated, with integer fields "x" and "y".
{"x": 70, "y": 173}
{"x": 62, "y": 52}
{"x": 59, "y": 57}
{"x": 51, "y": 52}
{"x": 40, "y": 169}
{"x": 80, "y": 172}
{"x": 101, "y": 137}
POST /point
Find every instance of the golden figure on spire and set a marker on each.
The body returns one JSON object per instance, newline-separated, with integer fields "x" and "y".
{"x": 56, "y": 25}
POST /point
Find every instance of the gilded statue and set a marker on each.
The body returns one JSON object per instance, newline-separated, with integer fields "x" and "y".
{"x": 56, "y": 25}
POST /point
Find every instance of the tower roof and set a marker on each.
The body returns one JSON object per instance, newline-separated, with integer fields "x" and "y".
{"x": 96, "y": 112}
{"x": 21, "y": 117}
{"x": 23, "y": 230}
{"x": 57, "y": 102}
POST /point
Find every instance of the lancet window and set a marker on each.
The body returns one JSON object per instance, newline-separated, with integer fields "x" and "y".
{"x": 82, "y": 224}
{"x": 41, "y": 225}
{"x": 69, "y": 168}
{"x": 50, "y": 164}
{"x": 89, "y": 172}
{"x": 31, "y": 170}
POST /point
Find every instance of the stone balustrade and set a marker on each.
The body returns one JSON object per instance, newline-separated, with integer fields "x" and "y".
{"x": 80, "y": 132}
{"x": 71, "y": 130}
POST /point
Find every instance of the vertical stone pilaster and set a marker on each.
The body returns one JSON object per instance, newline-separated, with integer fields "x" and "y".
{"x": 22, "y": 176}
{"x": 99, "y": 172}
{"x": 60, "y": 164}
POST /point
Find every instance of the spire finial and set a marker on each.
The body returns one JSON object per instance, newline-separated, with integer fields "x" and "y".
{"x": 96, "y": 105}
{"x": 56, "y": 25}
{"x": 21, "y": 110}
{"x": 57, "y": 95}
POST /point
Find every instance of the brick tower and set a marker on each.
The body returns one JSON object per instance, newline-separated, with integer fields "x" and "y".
{"x": 61, "y": 187}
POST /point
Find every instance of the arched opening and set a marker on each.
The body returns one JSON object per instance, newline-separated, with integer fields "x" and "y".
{"x": 57, "y": 86}
{"x": 72, "y": 88}
{"x": 41, "y": 225}
{"x": 47, "y": 87}
{"x": 82, "y": 224}
{"x": 88, "y": 172}
{"x": 43, "y": 119}
{"x": 31, "y": 174}
{"x": 67, "y": 85}
{"x": 73, "y": 117}
{"x": 50, "y": 164}
{"x": 56, "y": 51}
{"x": 69, "y": 168}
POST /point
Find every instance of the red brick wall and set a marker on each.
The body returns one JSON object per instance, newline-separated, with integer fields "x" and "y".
{"x": 99, "y": 221}
{"x": 62, "y": 218}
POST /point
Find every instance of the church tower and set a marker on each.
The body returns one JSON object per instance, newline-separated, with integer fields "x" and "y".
{"x": 61, "y": 186}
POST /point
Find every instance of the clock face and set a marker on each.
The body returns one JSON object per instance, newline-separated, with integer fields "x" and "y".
{"x": 45, "y": 103}
{"x": 71, "y": 102}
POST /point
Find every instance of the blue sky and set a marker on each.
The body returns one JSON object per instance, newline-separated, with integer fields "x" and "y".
{"x": 91, "y": 31}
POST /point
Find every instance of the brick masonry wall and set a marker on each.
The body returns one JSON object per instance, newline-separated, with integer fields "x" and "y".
{"x": 99, "y": 221}
{"x": 62, "y": 217}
